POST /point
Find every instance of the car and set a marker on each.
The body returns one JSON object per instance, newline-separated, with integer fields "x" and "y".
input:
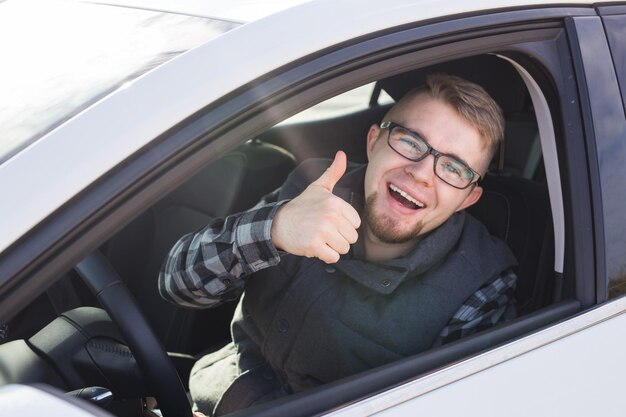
{"x": 126, "y": 124}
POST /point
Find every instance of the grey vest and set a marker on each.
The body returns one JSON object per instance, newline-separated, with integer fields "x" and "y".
{"x": 303, "y": 323}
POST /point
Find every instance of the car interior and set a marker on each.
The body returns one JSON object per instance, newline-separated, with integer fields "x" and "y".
{"x": 515, "y": 207}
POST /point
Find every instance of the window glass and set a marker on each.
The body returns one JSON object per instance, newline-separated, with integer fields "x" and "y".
{"x": 613, "y": 165}
{"x": 60, "y": 57}
{"x": 349, "y": 102}
{"x": 616, "y": 33}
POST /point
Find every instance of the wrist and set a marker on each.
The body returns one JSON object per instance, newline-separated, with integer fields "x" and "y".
{"x": 275, "y": 235}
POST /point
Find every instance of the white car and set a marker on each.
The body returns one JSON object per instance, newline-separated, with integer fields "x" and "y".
{"x": 124, "y": 125}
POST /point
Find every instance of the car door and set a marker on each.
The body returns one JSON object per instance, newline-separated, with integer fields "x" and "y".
{"x": 548, "y": 47}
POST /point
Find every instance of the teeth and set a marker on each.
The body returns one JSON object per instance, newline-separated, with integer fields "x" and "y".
{"x": 405, "y": 195}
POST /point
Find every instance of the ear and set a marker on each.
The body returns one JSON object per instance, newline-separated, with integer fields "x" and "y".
{"x": 471, "y": 198}
{"x": 372, "y": 135}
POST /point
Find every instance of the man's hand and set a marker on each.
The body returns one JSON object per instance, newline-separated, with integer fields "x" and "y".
{"x": 318, "y": 223}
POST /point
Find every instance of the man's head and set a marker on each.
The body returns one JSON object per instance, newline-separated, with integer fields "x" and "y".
{"x": 450, "y": 129}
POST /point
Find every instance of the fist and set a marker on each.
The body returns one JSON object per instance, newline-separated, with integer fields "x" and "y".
{"x": 317, "y": 223}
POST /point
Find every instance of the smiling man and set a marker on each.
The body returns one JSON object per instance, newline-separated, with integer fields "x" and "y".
{"x": 347, "y": 267}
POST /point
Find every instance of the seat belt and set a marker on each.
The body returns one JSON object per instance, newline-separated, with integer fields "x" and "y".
{"x": 534, "y": 156}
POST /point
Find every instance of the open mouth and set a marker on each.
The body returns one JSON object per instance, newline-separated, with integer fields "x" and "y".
{"x": 405, "y": 199}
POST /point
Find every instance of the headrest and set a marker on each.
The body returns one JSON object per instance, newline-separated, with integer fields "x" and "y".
{"x": 495, "y": 75}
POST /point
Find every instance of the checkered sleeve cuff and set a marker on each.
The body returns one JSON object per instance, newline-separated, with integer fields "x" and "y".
{"x": 253, "y": 238}
{"x": 208, "y": 267}
{"x": 491, "y": 304}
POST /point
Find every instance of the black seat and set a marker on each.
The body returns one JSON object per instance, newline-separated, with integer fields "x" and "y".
{"x": 517, "y": 210}
{"x": 233, "y": 183}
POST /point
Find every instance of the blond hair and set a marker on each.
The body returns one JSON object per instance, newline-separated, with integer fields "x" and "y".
{"x": 470, "y": 101}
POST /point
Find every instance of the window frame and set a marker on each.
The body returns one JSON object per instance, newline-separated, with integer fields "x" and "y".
{"x": 607, "y": 139}
{"x": 604, "y": 129}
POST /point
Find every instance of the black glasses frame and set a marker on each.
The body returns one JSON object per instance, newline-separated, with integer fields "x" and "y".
{"x": 430, "y": 151}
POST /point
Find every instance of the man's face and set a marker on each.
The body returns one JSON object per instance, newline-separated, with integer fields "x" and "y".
{"x": 389, "y": 217}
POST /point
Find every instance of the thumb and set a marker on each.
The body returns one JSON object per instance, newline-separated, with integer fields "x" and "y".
{"x": 333, "y": 174}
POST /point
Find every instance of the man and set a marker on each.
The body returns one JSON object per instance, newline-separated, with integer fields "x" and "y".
{"x": 357, "y": 266}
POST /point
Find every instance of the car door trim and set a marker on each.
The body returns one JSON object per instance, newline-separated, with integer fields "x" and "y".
{"x": 484, "y": 361}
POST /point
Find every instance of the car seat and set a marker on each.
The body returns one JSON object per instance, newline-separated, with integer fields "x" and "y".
{"x": 517, "y": 211}
{"x": 231, "y": 184}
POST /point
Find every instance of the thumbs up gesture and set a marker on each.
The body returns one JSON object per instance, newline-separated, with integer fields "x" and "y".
{"x": 318, "y": 223}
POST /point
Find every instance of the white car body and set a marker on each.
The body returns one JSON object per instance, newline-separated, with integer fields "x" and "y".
{"x": 570, "y": 368}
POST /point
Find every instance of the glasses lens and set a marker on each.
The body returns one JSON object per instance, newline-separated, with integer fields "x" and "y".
{"x": 407, "y": 144}
{"x": 454, "y": 172}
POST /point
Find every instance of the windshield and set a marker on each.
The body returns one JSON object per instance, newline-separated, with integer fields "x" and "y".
{"x": 60, "y": 57}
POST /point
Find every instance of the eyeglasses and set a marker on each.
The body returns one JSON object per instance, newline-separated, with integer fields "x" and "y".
{"x": 411, "y": 146}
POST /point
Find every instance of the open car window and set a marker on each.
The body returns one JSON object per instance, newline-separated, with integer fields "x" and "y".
{"x": 238, "y": 180}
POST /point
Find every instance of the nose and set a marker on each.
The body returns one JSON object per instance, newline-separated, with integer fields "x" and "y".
{"x": 422, "y": 171}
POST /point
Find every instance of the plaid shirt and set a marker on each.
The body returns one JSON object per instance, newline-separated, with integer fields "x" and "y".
{"x": 207, "y": 268}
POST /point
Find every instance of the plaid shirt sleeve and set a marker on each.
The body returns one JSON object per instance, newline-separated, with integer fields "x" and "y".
{"x": 493, "y": 303}
{"x": 206, "y": 268}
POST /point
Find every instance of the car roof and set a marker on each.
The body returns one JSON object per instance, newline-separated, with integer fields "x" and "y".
{"x": 240, "y": 11}
{"x": 99, "y": 138}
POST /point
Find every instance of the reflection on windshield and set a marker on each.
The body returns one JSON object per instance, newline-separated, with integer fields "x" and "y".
{"x": 60, "y": 57}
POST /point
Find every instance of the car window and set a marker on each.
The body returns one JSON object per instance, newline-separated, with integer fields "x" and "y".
{"x": 68, "y": 55}
{"x": 262, "y": 164}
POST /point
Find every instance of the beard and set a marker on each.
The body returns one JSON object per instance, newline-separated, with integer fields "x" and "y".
{"x": 384, "y": 227}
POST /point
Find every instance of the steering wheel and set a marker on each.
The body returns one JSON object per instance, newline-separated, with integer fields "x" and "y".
{"x": 157, "y": 368}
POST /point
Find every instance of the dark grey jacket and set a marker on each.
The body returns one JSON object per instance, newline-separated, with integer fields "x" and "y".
{"x": 303, "y": 323}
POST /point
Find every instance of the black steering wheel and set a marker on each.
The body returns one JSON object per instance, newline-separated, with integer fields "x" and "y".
{"x": 157, "y": 368}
